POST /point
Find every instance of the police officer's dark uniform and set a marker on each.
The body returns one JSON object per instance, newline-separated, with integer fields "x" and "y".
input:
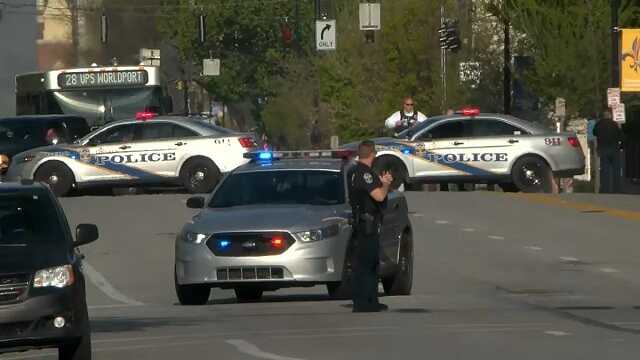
{"x": 609, "y": 136}
{"x": 367, "y": 227}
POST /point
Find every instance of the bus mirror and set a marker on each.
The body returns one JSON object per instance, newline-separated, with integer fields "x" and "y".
{"x": 167, "y": 104}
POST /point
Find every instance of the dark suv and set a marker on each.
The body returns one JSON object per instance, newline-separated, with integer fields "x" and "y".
{"x": 21, "y": 133}
{"x": 42, "y": 289}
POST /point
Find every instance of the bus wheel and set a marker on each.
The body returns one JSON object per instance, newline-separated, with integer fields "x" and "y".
{"x": 57, "y": 175}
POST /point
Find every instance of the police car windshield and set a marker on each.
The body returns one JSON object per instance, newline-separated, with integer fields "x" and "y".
{"x": 280, "y": 187}
{"x": 31, "y": 234}
{"x": 405, "y": 134}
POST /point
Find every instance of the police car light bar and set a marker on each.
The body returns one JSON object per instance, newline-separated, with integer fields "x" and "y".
{"x": 469, "y": 111}
{"x": 145, "y": 115}
{"x": 305, "y": 154}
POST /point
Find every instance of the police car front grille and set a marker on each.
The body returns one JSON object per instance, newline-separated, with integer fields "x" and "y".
{"x": 249, "y": 244}
{"x": 250, "y": 273}
{"x": 13, "y": 288}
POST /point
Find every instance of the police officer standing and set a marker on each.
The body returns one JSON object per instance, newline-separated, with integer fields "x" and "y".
{"x": 608, "y": 136}
{"x": 405, "y": 118}
{"x": 368, "y": 195}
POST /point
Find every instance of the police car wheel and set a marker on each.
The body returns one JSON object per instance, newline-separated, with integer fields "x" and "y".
{"x": 395, "y": 166}
{"x": 57, "y": 175}
{"x": 402, "y": 281}
{"x": 200, "y": 176}
{"x": 192, "y": 294}
{"x": 245, "y": 294}
{"x": 341, "y": 290}
{"x": 531, "y": 174}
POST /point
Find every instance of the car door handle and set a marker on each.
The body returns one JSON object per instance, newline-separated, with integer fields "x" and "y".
{"x": 457, "y": 143}
{"x": 513, "y": 141}
{"x": 180, "y": 143}
{"x": 124, "y": 147}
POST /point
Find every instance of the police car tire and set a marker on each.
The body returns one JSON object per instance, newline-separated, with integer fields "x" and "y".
{"x": 544, "y": 171}
{"x": 247, "y": 294}
{"x": 401, "y": 282}
{"x": 395, "y": 166}
{"x": 212, "y": 175}
{"x": 60, "y": 170}
{"x": 192, "y": 294}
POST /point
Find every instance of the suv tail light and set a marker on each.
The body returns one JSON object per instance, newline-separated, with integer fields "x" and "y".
{"x": 247, "y": 142}
{"x": 573, "y": 141}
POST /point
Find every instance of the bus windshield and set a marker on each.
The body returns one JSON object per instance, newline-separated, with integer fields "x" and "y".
{"x": 102, "y": 106}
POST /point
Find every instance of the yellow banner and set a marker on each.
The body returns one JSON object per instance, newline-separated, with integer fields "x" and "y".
{"x": 630, "y": 61}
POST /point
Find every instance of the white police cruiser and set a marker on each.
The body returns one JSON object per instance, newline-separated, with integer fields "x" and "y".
{"x": 474, "y": 147}
{"x": 148, "y": 150}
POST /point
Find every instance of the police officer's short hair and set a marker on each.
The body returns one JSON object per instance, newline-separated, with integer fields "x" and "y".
{"x": 366, "y": 149}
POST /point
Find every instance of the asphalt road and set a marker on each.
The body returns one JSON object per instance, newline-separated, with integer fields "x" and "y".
{"x": 497, "y": 276}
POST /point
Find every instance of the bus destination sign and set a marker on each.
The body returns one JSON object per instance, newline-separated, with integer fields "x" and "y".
{"x": 102, "y": 79}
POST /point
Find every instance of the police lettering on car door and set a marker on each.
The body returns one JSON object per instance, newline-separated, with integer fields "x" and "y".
{"x": 462, "y": 157}
{"x": 135, "y": 158}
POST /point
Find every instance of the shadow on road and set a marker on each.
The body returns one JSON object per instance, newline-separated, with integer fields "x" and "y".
{"x": 114, "y": 325}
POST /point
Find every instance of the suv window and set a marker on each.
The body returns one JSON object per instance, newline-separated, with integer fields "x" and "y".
{"x": 31, "y": 233}
{"x": 117, "y": 134}
{"x": 494, "y": 127}
{"x": 11, "y": 132}
{"x": 447, "y": 130}
{"x": 164, "y": 131}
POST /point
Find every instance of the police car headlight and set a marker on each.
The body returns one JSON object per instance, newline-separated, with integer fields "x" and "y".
{"x": 26, "y": 158}
{"x": 318, "y": 234}
{"x": 60, "y": 276}
{"x": 196, "y": 238}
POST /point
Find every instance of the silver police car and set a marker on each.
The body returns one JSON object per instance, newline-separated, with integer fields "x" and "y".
{"x": 473, "y": 147}
{"x": 281, "y": 221}
{"x": 148, "y": 150}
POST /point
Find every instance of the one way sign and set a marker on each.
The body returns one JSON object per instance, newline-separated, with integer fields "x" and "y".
{"x": 326, "y": 34}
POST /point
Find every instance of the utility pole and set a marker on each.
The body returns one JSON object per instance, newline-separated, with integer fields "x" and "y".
{"x": 443, "y": 64}
{"x": 507, "y": 60}
{"x": 615, "y": 44}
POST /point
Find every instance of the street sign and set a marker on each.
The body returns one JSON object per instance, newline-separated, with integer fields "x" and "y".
{"x": 150, "y": 57}
{"x": 326, "y": 34}
{"x": 618, "y": 114}
{"x": 613, "y": 97}
{"x": 211, "y": 67}
{"x": 370, "y": 17}
{"x": 561, "y": 107}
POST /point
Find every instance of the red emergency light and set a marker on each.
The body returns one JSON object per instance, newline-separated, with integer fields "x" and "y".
{"x": 469, "y": 111}
{"x": 277, "y": 242}
{"x": 145, "y": 115}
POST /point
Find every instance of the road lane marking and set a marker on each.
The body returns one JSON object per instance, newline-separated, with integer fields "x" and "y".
{"x": 534, "y": 248}
{"x": 442, "y": 222}
{"x": 98, "y": 307}
{"x": 101, "y": 282}
{"x": 250, "y": 349}
{"x": 609, "y": 270}
{"x": 496, "y": 237}
{"x": 582, "y": 207}
{"x": 557, "y": 333}
{"x": 569, "y": 259}
{"x": 417, "y": 215}
{"x": 468, "y": 229}
{"x": 235, "y": 333}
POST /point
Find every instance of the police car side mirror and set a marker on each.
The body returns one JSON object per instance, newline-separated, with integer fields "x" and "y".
{"x": 196, "y": 202}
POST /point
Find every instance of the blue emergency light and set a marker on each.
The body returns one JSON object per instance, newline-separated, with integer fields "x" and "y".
{"x": 223, "y": 244}
{"x": 268, "y": 156}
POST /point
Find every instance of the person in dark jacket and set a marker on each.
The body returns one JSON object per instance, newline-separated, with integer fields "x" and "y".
{"x": 608, "y": 137}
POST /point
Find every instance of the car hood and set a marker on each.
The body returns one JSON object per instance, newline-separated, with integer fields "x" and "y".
{"x": 263, "y": 218}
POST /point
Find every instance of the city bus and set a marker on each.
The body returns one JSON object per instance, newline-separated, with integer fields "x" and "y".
{"x": 98, "y": 94}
